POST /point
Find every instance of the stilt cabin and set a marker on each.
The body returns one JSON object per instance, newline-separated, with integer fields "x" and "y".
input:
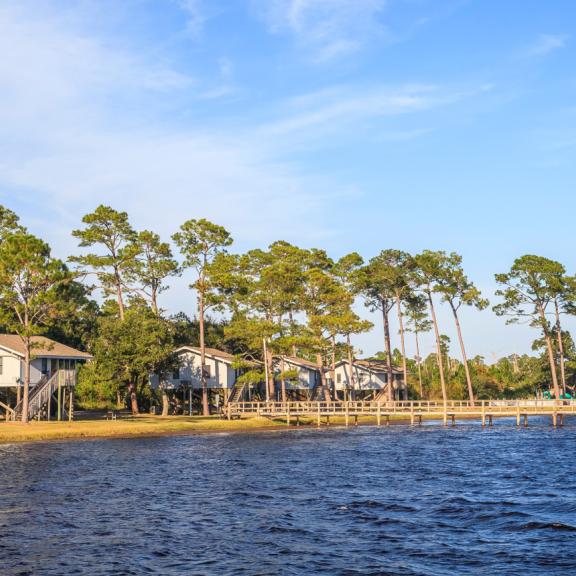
{"x": 53, "y": 367}
{"x": 306, "y": 382}
{"x": 369, "y": 380}
{"x": 219, "y": 368}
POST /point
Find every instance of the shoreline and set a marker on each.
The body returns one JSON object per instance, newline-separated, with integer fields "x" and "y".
{"x": 156, "y": 427}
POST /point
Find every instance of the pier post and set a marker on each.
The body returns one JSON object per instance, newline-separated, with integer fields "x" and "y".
{"x": 554, "y": 418}
{"x": 445, "y": 415}
{"x": 379, "y": 414}
{"x": 319, "y": 416}
{"x": 288, "y": 413}
{"x": 518, "y": 415}
{"x": 346, "y": 415}
{"x": 525, "y": 420}
{"x": 453, "y": 419}
{"x": 387, "y": 419}
{"x": 483, "y": 414}
{"x": 355, "y": 419}
{"x": 411, "y": 413}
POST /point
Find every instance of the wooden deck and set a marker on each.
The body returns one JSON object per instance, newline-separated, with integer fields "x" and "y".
{"x": 412, "y": 411}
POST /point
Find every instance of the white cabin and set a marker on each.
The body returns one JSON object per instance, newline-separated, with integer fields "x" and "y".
{"x": 220, "y": 372}
{"x": 47, "y": 357}
{"x": 308, "y": 375}
{"x": 368, "y": 376}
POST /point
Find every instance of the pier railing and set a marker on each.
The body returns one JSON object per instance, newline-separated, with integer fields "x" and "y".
{"x": 413, "y": 410}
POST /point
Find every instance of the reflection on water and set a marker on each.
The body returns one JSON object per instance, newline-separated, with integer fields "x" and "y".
{"x": 394, "y": 501}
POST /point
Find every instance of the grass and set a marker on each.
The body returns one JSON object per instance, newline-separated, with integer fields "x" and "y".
{"x": 126, "y": 426}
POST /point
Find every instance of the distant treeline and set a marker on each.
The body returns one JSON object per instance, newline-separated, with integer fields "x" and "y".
{"x": 282, "y": 300}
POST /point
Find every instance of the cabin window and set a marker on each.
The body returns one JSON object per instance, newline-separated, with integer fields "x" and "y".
{"x": 339, "y": 378}
{"x": 176, "y": 374}
{"x": 44, "y": 365}
{"x": 206, "y": 370}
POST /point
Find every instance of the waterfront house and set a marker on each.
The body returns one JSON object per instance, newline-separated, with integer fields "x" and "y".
{"x": 220, "y": 369}
{"x": 369, "y": 379}
{"x": 47, "y": 358}
{"x": 307, "y": 376}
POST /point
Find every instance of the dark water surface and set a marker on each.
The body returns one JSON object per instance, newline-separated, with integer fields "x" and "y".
{"x": 398, "y": 501}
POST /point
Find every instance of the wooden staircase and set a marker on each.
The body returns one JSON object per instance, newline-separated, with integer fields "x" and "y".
{"x": 237, "y": 392}
{"x": 39, "y": 396}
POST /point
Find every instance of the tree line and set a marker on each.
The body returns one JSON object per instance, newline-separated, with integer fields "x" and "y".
{"x": 283, "y": 300}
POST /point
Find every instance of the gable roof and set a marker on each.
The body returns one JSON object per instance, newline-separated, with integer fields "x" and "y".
{"x": 372, "y": 365}
{"x": 42, "y": 347}
{"x": 225, "y": 357}
{"x": 299, "y": 362}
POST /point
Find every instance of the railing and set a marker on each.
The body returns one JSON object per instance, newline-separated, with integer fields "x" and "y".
{"x": 41, "y": 393}
{"x": 365, "y": 407}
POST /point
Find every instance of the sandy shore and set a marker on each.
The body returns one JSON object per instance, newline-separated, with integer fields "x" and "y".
{"x": 143, "y": 426}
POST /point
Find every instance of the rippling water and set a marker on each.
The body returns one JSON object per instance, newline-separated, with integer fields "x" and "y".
{"x": 389, "y": 501}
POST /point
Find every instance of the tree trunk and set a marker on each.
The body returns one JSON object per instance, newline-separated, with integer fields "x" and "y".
{"x": 205, "y": 404}
{"x": 283, "y": 381}
{"x": 464, "y": 357}
{"x": 351, "y": 369}
{"x": 133, "y": 398}
{"x": 438, "y": 348}
{"x": 165, "y": 402}
{"x": 119, "y": 294}
{"x": 26, "y": 390}
{"x": 403, "y": 345}
{"x": 154, "y": 302}
{"x": 266, "y": 374}
{"x": 270, "y": 371}
{"x": 388, "y": 350}
{"x": 560, "y": 346}
{"x": 550, "y": 349}
{"x": 333, "y": 368}
{"x": 419, "y": 364}
{"x": 325, "y": 388}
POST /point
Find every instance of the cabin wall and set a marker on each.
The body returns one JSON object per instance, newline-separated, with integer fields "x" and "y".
{"x": 307, "y": 378}
{"x": 222, "y": 375}
{"x": 10, "y": 371}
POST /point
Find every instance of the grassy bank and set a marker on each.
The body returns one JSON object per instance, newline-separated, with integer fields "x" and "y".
{"x": 125, "y": 427}
{"x": 148, "y": 426}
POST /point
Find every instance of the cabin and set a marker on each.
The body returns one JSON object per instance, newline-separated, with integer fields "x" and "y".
{"x": 369, "y": 379}
{"x": 307, "y": 380}
{"x": 48, "y": 357}
{"x": 219, "y": 368}
{"x": 53, "y": 376}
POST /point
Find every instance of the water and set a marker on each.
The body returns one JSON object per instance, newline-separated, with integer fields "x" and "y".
{"x": 388, "y": 501}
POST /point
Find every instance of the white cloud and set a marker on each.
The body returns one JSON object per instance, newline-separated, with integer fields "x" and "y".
{"x": 195, "y": 15}
{"x": 547, "y": 43}
{"x": 84, "y": 124}
{"x": 327, "y": 29}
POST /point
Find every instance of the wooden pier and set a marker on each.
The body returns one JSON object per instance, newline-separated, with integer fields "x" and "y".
{"x": 410, "y": 411}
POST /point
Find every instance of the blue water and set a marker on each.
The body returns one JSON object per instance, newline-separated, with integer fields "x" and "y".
{"x": 387, "y": 501}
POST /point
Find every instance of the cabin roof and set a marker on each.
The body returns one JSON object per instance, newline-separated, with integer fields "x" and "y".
{"x": 299, "y": 362}
{"x": 225, "y": 357}
{"x": 372, "y": 365}
{"x": 42, "y": 347}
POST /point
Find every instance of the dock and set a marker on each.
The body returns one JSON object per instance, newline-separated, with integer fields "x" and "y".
{"x": 411, "y": 411}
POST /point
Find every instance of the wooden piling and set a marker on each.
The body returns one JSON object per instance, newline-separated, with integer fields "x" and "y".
{"x": 355, "y": 419}
{"x": 379, "y": 414}
{"x": 518, "y": 415}
{"x": 525, "y": 420}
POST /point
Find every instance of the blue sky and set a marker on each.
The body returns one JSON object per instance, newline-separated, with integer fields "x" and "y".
{"x": 344, "y": 124}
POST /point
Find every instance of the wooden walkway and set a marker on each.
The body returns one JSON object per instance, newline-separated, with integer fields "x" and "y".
{"x": 412, "y": 411}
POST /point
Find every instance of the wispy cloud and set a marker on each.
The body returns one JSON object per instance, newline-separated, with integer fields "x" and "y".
{"x": 326, "y": 29}
{"x": 339, "y": 108}
{"x": 546, "y": 44}
{"x": 84, "y": 124}
{"x": 195, "y": 16}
